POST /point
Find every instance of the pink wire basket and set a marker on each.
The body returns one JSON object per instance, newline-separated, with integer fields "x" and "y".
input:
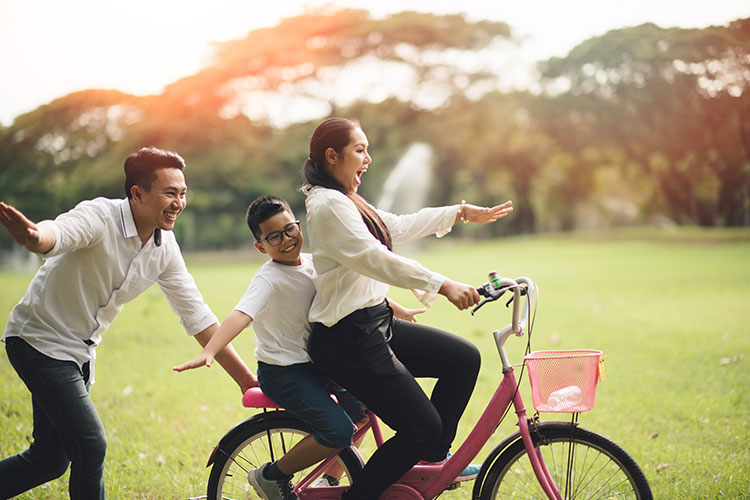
{"x": 564, "y": 381}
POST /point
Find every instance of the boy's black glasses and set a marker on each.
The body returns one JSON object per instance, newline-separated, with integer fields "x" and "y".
{"x": 275, "y": 238}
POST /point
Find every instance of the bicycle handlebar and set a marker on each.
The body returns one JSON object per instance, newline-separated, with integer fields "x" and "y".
{"x": 495, "y": 288}
{"x": 492, "y": 291}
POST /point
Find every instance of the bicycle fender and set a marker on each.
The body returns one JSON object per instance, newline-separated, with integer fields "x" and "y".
{"x": 238, "y": 429}
{"x": 505, "y": 443}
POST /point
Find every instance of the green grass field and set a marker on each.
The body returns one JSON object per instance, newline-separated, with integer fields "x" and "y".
{"x": 670, "y": 309}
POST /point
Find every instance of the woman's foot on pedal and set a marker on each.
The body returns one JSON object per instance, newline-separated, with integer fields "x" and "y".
{"x": 271, "y": 489}
{"x": 469, "y": 473}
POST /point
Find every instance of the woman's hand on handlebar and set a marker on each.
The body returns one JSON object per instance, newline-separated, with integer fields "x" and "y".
{"x": 201, "y": 359}
{"x": 459, "y": 294}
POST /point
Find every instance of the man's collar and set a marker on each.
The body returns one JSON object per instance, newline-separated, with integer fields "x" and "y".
{"x": 128, "y": 222}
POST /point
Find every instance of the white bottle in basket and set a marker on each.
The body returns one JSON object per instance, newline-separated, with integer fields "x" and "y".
{"x": 566, "y": 397}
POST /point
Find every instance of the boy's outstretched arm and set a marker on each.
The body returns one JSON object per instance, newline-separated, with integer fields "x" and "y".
{"x": 36, "y": 238}
{"x": 217, "y": 347}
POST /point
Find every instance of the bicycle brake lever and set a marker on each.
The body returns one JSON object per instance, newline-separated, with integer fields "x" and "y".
{"x": 483, "y": 302}
{"x": 491, "y": 293}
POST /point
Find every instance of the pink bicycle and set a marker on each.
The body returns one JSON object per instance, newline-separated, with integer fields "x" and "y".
{"x": 543, "y": 460}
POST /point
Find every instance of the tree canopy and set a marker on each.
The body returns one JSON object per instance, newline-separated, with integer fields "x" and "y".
{"x": 639, "y": 123}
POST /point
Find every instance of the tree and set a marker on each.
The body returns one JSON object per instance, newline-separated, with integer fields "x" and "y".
{"x": 673, "y": 100}
{"x": 637, "y": 122}
{"x": 333, "y": 58}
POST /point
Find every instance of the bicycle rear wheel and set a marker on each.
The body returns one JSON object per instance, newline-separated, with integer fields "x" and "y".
{"x": 583, "y": 464}
{"x": 264, "y": 441}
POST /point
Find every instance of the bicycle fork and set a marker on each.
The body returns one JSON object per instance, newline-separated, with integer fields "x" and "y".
{"x": 541, "y": 471}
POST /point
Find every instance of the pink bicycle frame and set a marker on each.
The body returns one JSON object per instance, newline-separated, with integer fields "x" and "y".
{"x": 430, "y": 480}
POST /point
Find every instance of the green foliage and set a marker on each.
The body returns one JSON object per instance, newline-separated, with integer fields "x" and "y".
{"x": 676, "y": 102}
{"x": 669, "y": 308}
{"x": 640, "y": 124}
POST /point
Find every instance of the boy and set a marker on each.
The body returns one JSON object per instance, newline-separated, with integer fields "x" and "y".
{"x": 277, "y": 303}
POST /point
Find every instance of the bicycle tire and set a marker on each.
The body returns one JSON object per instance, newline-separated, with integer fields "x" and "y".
{"x": 600, "y": 469}
{"x": 252, "y": 447}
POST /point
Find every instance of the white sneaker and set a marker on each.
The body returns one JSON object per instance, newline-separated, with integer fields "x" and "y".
{"x": 325, "y": 481}
{"x": 269, "y": 489}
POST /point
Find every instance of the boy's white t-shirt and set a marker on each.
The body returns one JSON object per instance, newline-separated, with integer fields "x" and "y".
{"x": 278, "y": 300}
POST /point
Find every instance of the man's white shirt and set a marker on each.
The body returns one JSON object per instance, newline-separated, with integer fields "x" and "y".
{"x": 96, "y": 266}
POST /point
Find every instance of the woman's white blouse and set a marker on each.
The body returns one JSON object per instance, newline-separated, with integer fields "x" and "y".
{"x": 353, "y": 268}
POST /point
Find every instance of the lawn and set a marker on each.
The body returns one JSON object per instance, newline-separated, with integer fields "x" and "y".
{"x": 670, "y": 309}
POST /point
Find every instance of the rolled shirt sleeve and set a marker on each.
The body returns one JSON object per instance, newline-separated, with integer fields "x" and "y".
{"x": 432, "y": 220}
{"x": 182, "y": 294}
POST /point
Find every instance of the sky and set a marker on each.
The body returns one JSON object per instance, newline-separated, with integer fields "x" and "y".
{"x": 50, "y": 48}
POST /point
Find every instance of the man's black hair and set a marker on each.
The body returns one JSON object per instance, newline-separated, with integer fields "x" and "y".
{"x": 141, "y": 167}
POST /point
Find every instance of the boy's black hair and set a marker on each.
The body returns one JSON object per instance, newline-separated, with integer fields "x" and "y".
{"x": 262, "y": 209}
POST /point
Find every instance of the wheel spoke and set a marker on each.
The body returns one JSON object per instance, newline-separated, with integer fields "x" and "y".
{"x": 254, "y": 446}
{"x": 583, "y": 465}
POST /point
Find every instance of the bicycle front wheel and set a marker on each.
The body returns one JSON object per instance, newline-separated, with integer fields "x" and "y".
{"x": 583, "y": 465}
{"x": 266, "y": 440}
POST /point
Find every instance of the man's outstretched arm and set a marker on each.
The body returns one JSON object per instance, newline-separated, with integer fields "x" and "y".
{"x": 36, "y": 238}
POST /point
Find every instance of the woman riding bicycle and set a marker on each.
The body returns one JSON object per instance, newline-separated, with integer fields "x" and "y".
{"x": 355, "y": 339}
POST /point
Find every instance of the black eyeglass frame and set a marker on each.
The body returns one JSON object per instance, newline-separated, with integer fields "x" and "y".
{"x": 294, "y": 227}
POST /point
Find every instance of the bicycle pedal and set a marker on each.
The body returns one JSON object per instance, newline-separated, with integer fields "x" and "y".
{"x": 453, "y": 486}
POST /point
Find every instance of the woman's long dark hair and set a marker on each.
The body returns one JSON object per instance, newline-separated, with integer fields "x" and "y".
{"x": 336, "y": 133}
